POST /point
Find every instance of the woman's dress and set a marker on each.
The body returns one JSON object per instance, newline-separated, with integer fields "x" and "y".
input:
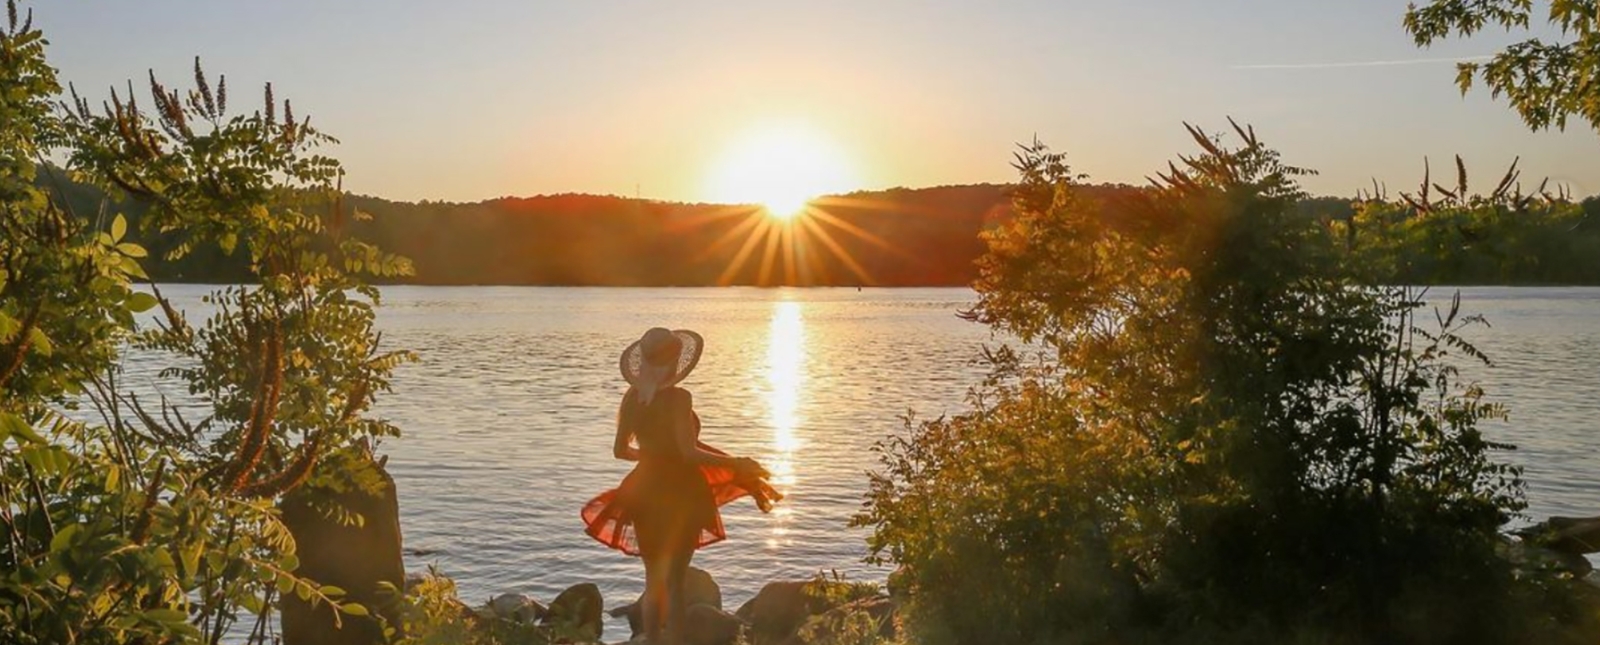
{"x": 664, "y": 490}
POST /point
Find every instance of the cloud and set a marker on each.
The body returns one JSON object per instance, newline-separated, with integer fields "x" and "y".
{"x": 1365, "y": 63}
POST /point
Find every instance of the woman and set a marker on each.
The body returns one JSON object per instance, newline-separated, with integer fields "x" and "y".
{"x": 667, "y": 507}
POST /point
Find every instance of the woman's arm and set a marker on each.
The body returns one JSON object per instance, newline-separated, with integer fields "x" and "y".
{"x": 622, "y": 447}
{"x": 683, "y": 429}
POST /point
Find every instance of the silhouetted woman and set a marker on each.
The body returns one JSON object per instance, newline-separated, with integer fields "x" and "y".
{"x": 667, "y": 507}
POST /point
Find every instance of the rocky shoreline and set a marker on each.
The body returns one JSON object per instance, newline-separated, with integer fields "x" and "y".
{"x": 784, "y": 612}
{"x": 366, "y": 556}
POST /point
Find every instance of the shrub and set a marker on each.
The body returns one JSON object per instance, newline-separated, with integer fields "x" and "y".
{"x": 143, "y": 526}
{"x": 1228, "y": 436}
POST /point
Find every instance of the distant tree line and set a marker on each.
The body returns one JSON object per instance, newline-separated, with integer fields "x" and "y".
{"x": 898, "y": 237}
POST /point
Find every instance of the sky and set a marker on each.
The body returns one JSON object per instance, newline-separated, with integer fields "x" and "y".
{"x": 478, "y": 99}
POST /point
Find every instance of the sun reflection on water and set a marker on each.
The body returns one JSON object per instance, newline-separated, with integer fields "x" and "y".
{"x": 786, "y": 353}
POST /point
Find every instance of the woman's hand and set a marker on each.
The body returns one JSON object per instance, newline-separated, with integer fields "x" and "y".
{"x": 748, "y": 466}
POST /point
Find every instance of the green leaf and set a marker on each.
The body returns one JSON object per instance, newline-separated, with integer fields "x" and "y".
{"x": 191, "y": 558}
{"x": 132, "y": 269}
{"x": 40, "y": 342}
{"x": 332, "y": 591}
{"x": 132, "y": 250}
{"x": 354, "y": 609}
{"x": 166, "y": 616}
{"x": 119, "y": 228}
{"x": 63, "y": 539}
{"x": 140, "y": 302}
{"x": 8, "y": 326}
{"x": 39, "y": 458}
{"x": 12, "y": 425}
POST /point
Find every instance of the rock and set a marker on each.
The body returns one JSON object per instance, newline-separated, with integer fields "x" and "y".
{"x": 1529, "y": 554}
{"x": 899, "y": 582}
{"x": 353, "y": 557}
{"x": 576, "y": 613}
{"x": 636, "y": 620}
{"x": 516, "y": 607}
{"x": 779, "y": 609}
{"x": 699, "y": 587}
{"x": 708, "y": 625}
{"x": 1571, "y": 535}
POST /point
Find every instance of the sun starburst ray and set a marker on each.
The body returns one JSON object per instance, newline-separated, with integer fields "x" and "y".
{"x": 745, "y": 250}
{"x": 753, "y": 220}
{"x": 703, "y": 219}
{"x": 838, "y": 250}
{"x": 769, "y": 257}
{"x": 790, "y": 254}
{"x": 856, "y": 231}
{"x": 858, "y": 203}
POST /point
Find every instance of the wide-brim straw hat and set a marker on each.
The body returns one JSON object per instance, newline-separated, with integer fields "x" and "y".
{"x": 659, "y": 374}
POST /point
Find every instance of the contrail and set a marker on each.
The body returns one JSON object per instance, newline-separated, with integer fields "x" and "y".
{"x": 1366, "y": 63}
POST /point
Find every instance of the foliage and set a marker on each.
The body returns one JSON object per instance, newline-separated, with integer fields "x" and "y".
{"x": 1546, "y": 82}
{"x": 846, "y": 628}
{"x": 1451, "y": 235}
{"x": 832, "y": 589}
{"x": 145, "y": 526}
{"x": 1228, "y": 437}
{"x": 432, "y": 614}
{"x": 842, "y": 620}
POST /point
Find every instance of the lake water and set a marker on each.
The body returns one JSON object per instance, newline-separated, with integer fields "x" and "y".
{"x": 509, "y": 416}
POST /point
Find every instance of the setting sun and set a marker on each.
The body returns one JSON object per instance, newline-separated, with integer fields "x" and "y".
{"x": 781, "y": 169}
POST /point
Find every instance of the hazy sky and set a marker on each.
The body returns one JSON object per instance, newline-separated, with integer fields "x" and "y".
{"x": 469, "y": 100}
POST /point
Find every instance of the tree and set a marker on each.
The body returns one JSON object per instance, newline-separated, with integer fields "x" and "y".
{"x": 1546, "y": 82}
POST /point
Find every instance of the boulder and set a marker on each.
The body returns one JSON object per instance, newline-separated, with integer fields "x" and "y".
{"x": 576, "y": 613}
{"x": 779, "y": 609}
{"x": 355, "y": 557}
{"x": 516, "y": 608}
{"x": 699, "y": 587}
{"x": 1532, "y": 555}
{"x": 707, "y": 625}
{"x": 899, "y": 583}
{"x": 1571, "y": 535}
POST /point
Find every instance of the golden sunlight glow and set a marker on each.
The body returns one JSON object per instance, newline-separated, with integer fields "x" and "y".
{"x": 786, "y": 353}
{"x": 785, "y": 367}
{"x": 782, "y": 169}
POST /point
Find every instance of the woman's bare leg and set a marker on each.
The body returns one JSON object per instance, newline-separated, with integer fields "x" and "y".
{"x": 653, "y": 602}
{"x": 677, "y": 572}
{"x": 655, "y": 596}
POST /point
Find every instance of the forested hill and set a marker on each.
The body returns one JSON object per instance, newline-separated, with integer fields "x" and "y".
{"x": 899, "y": 237}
